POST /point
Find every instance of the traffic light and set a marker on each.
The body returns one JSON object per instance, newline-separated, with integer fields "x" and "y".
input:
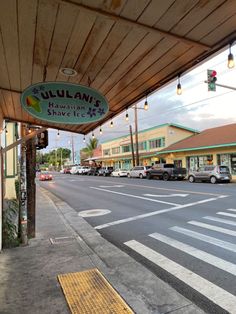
{"x": 211, "y": 80}
{"x": 42, "y": 140}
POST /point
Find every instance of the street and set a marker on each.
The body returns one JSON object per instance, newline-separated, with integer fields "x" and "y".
{"x": 183, "y": 232}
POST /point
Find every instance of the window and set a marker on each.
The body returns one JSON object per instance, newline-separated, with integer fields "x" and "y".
{"x": 142, "y": 145}
{"x": 115, "y": 150}
{"x": 160, "y": 142}
{"x": 106, "y": 152}
{"x": 126, "y": 148}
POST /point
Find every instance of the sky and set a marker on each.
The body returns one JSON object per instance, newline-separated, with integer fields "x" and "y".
{"x": 196, "y": 108}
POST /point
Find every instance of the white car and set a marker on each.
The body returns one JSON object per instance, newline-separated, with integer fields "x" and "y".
{"x": 138, "y": 172}
{"x": 75, "y": 169}
{"x": 119, "y": 173}
{"x": 83, "y": 170}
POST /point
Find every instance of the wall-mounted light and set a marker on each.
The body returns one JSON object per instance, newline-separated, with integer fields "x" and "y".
{"x": 146, "y": 104}
{"x": 29, "y": 131}
{"x": 126, "y": 116}
{"x": 111, "y": 124}
{"x": 179, "y": 88}
{"x": 230, "y": 58}
{"x": 100, "y": 131}
{"x": 92, "y": 135}
{"x": 84, "y": 139}
{"x": 58, "y": 133}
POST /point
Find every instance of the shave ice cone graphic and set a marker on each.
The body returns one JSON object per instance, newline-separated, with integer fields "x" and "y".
{"x": 33, "y": 102}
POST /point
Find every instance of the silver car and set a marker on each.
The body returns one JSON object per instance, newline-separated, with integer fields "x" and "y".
{"x": 211, "y": 174}
{"x": 138, "y": 172}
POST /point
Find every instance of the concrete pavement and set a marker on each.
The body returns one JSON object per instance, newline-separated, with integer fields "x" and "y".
{"x": 66, "y": 243}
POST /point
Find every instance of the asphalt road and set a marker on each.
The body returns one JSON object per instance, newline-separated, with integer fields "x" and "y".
{"x": 185, "y": 233}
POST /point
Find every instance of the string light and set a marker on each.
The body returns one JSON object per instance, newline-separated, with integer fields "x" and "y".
{"x": 230, "y": 58}
{"x": 111, "y": 124}
{"x": 146, "y": 104}
{"x": 179, "y": 88}
{"x": 126, "y": 116}
{"x": 100, "y": 131}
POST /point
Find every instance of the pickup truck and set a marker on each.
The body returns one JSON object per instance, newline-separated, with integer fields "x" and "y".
{"x": 166, "y": 172}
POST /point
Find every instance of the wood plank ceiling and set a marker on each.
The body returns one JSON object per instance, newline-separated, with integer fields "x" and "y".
{"x": 123, "y": 48}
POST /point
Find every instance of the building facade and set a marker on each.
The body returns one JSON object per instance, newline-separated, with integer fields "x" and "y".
{"x": 215, "y": 146}
{"x": 118, "y": 152}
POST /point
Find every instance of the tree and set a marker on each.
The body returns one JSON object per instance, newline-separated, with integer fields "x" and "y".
{"x": 87, "y": 152}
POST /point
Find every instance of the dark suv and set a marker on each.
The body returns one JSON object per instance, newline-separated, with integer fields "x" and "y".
{"x": 93, "y": 171}
{"x": 211, "y": 174}
{"x": 105, "y": 171}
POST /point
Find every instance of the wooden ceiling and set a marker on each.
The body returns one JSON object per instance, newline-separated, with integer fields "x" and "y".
{"x": 123, "y": 48}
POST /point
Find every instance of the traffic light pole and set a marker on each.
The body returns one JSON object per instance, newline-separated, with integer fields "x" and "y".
{"x": 224, "y": 86}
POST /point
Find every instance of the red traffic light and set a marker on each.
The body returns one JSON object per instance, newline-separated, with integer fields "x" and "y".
{"x": 213, "y": 73}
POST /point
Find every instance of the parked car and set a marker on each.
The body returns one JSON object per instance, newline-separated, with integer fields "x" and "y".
{"x": 119, "y": 173}
{"x": 93, "y": 171}
{"x": 45, "y": 176}
{"x": 75, "y": 169}
{"x": 83, "y": 170}
{"x": 138, "y": 172}
{"x": 105, "y": 171}
{"x": 67, "y": 170}
{"x": 166, "y": 172}
{"x": 211, "y": 174}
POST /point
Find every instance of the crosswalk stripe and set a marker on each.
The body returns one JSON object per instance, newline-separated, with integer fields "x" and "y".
{"x": 225, "y": 245}
{"x": 232, "y": 209}
{"x": 225, "y": 221}
{"x": 206, "y": 257}
{"x": 226, "y": 214}
{"x": 214, "y": 228}
{"x": 214, "y": 293}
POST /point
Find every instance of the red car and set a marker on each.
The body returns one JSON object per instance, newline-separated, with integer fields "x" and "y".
{"x": 45, "y": 176}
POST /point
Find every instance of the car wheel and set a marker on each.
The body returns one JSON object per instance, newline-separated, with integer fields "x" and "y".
{"x": 191, "y": 179}
{"x": 165, "y": 176}
{"x": 141, "y": 176}
{"x": 149, "y": 176}
{"x": 213, "y": 180}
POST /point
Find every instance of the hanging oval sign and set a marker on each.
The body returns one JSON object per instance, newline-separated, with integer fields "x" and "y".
{"x": 63, "y": 102}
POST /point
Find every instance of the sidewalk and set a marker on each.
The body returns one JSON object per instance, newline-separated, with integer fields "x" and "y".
{"x": 28, "y": 275}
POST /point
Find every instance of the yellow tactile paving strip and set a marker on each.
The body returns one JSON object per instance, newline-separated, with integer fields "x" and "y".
{"x": 88, "y": 292}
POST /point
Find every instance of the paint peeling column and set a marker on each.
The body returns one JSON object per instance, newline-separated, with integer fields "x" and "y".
{"x": 23, "y": 192}
{"x": 1, "y": 184}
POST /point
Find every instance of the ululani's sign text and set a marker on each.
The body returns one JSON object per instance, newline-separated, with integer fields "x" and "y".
{"x": 64, "y": 103}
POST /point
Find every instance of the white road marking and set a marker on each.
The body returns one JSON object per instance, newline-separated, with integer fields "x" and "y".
{"x": 170, "y": 195}
{"x": 225, "y": 221}
{"x": 206, "y": 257}
{"x": 157, "y": 212}
{"x": 135, "y": 196}
{"x": 214, "y": 228}
{"x": 231, "y": 209}
{"x": 214, "y": 293}
{"x": 226, "y": 214}
{"x": 223, "y": 244}
{"x": 111, "y": 186}
{"x": 94, "y": 212}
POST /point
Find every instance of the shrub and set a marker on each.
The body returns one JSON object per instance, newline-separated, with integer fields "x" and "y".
{"x": 9, "y": 225}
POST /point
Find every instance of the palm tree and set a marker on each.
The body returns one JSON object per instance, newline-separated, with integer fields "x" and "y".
{"x": 91, "y": 146}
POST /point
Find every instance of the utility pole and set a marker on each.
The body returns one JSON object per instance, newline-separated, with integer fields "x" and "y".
{"x": 136, "y": 133}
{"x": 23, "y": 192}
{"x": 73, "y": 151}
{"x": 132, "y": 144}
